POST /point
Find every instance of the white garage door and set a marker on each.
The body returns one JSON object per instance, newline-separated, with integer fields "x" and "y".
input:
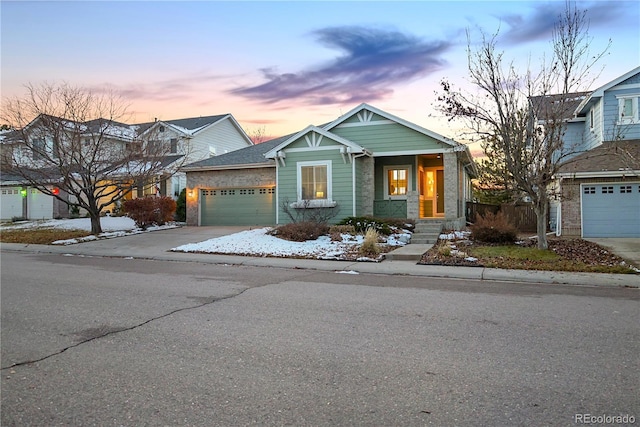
{"x": 40, "y": 205}
{"x": 10, "y": 203}
{"x": 611, "y": 210}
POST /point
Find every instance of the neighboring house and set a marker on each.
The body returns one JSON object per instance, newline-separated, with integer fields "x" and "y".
{"x": 19, "y": 198}
{"x": 367, "y": 162}
{"x": 197, "y": 138}
{"x": 600, "y": 187}
{"x": 186, "y": 140}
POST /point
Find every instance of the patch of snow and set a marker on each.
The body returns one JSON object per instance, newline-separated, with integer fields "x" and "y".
{"x": 347, "y": 272}
{"x": 471, "y": 259}
{"x": 455, "y": 235}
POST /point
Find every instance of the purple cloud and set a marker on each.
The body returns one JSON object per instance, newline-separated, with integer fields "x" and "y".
{"x": 372, "y": 62}
{"x": 539, "y": 25}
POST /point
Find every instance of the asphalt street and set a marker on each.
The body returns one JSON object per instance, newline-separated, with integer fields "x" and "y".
{"x": 129, "y": 342}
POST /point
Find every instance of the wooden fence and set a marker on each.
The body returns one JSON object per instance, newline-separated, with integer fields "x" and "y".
{"x": 522, "y": 216}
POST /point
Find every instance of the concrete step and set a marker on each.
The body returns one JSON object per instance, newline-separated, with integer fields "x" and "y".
{"x": 422, "y": 239}
{"x": 411, "y": 252}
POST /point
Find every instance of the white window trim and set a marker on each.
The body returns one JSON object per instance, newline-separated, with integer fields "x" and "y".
{"x": 634, "y": 106}
{"x": 387, "y": 196}
{"x": 322, "y": 203}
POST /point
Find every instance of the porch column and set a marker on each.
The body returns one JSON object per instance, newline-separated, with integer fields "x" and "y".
{"x": 450, "y": 162}
{"x": 367, "y": 192}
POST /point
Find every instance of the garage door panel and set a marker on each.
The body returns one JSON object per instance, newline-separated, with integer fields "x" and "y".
{"x": 611, "y": 210}
{"x": 238, "y": 206}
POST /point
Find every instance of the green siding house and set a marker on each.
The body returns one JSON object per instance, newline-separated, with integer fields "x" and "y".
{"x": 366, "y": 162}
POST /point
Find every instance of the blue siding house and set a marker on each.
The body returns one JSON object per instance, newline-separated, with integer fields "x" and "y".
{"x": 600, "y": 187}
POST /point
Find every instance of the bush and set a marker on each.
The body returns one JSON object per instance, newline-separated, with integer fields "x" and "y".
{"x": 493, "y": 228}
{"x": 181, "y": 206}
{"x": 363, "y": 223}
{"x": 146, "y": 211}
{"x": 370, "y": 246}
{"x": 300, "y": 231}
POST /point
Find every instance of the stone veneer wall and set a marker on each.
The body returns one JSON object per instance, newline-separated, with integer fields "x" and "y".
{"x": 450, "y": 161}
{"x": 232, "y": 178}
{"x": 368, "y": 185}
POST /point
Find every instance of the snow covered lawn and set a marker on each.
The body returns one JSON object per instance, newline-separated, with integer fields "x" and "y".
{"x": 111, "y": 227}
{"x": 258, "y": 243}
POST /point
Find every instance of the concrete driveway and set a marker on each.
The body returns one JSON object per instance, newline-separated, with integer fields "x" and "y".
{"x": 627, "y": 248}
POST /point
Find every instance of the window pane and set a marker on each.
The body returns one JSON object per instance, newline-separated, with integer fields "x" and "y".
{"x": 314, "y": 182}
{"x": 627, "y": 107}
{"x": 397, "y": 182}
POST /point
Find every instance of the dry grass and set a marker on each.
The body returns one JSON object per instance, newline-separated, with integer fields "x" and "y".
{"x": 575, "y": 255}
{"x": 39, "y": 236}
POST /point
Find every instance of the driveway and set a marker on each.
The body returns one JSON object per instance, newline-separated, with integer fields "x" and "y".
{"x": 627, "y": 248}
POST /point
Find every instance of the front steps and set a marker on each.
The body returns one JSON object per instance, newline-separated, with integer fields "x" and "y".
{"x": 424, "y": 236}
{"x": 427, "y": 231}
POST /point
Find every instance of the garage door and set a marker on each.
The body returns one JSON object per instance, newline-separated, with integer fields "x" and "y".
{"x": 11, "y": 202}
{"x": 611, "y": 210}
{"x": 39, "y": 205}
{"x": 238, "y": 206}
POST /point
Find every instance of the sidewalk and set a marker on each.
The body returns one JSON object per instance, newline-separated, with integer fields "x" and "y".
{"x": 156, "y": 246}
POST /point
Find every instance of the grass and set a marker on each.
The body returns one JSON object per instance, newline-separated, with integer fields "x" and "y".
{"x": 40, "y": 236}
{"x": 530, "y": 258}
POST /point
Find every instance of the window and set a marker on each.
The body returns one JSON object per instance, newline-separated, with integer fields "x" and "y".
{"x": 589, "y": 190}
{"x": 397, "y": 181}
{"x": 626, "y": 189}
{"x": 607, "y": 190}
{"x": 628, "y": 110}
{"x": 174, "y": 145}
{"x": 314, "y": 184}
{"x": 37, "y": 149}
{"x": 161, "y": 129}
{"x": 591, "y": 118}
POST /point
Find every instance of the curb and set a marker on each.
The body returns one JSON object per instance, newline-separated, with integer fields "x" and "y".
{"x": 387, "y": 267}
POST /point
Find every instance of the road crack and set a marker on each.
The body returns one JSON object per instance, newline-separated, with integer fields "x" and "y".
{"x": 112, "y": 331}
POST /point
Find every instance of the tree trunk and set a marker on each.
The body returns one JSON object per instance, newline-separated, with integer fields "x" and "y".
{"x": 541, "y": 209}
{"x": 96, "y": 227}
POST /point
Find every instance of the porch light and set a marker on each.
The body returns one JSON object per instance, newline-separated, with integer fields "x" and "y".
{"x": 55, "y": 191}
{"x": 23, "y": 192}
{"x": 190, "y": 192}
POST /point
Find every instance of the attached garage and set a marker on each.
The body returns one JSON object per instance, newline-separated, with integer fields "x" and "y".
{"x": 238, "y": 206}
{"x": 611, "y": 209}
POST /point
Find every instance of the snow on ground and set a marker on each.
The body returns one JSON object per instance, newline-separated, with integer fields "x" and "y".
{"x": 111, "y": 227}
{"x": 251, "y": 242}
{"x": 258, "y": 243}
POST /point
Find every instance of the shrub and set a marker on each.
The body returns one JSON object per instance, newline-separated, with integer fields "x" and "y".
{"x": 300, "y": 231}
{"x": 363, "y": 223}
{"x": 181, "y": 206}
{"x": 493, "y": 228}
{"x": 146, "y": 211}
{"x": 370, "y": 246}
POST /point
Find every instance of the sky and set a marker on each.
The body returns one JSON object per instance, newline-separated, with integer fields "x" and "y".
{"x": 280, "y": 66}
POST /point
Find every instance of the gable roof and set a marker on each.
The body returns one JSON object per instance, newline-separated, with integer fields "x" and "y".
{"x": 351, "y": 146}
{"x": 252, "y": 156}
{"x": 599, "y": 93}
{"x": 193, "y": 125}
{"x": 391, "y": 117}
{"x": 548, "y": 106}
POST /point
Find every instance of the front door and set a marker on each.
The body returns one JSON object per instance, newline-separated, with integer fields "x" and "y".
{"x": 431, "y": 192}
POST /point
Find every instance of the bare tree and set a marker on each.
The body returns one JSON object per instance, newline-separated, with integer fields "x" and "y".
{"x": 70, "y": 143}
{"x": 258, "y": 135}
{"x": 520, "y": 117}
